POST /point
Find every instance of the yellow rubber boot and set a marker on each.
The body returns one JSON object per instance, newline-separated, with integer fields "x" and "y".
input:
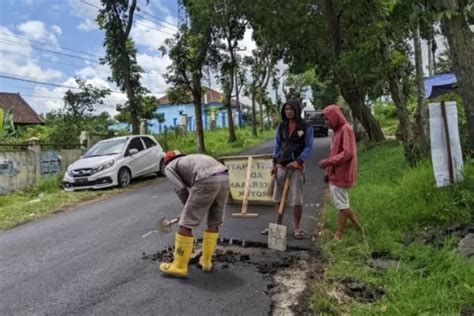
{"x": 183, "y": 247}
{"x": 209, "y": 244}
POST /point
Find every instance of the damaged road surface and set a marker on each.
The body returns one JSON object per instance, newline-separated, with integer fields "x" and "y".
{"x": 93, "y": 260}
{"x": 284, "y": 275}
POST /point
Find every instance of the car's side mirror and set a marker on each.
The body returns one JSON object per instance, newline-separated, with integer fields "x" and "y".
{"x": 132, "y": 151}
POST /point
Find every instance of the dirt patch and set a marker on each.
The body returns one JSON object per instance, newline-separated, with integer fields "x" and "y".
{"x": 467, "y": 310}
{"x": 361, "y": 292}
{"x": 436, "y": 237}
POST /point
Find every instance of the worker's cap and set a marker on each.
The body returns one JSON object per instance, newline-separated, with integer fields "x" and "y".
{"x": 171, "y": 155}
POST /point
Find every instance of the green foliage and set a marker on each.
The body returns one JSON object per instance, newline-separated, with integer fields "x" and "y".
{"x": 2, "y": 119}
{"x": 299, "y": 83}
{"x": 8, "y": 130}
{"x": 64, "y": 126}
{"x": 225, "y": 23}
{"x": 215, "y": 146}
{"x": 325, "y": 92}
{"x": 81, "y": 104}
{"x": 116, "y": 19}
{"x": 384, "y": 111}
{"x": 65, "y": 129}
{"x": 40, "y": 201}
{"x": 148, "y": 106}
{"x": 396, "y": 203}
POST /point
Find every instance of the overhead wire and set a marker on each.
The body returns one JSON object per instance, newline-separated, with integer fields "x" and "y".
{"x": 58, "y": 85}
{"x": 48, "y": 50}
{"x": 136, "y": 14}
{"x": 38, "y": 58}
{"x": 82, "y": 58}
{"x": 16, "y": 36}
{"x": 38, "y": 82}
{"x": 160, "y": 19}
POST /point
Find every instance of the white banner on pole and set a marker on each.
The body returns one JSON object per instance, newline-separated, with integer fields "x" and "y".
{"x": 439, "y": 147}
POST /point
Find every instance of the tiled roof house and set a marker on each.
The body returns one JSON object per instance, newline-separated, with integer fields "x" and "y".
{"x": 22, "y": 112}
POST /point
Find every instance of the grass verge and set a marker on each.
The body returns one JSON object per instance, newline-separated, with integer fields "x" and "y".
{"x": 405, "y": 219}
{"x": 215, "y": 141}
{"x": 48, "y": 197}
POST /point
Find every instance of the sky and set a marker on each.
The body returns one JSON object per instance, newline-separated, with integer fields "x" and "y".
{"x": 54, "y": 41}
{"x": 45, "y": 44}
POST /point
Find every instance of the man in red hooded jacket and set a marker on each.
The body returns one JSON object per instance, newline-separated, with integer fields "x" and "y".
{"x": 341, "y": 166}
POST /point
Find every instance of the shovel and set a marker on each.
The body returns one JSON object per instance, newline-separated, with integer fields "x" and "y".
{"x": 277, "y": 231}
{"x": 163, "y": 226}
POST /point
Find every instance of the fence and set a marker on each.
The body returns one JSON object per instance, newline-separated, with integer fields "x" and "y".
{"x": 22, "y": 165}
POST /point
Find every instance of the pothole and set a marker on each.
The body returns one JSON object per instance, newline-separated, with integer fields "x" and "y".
{"x": 287, "y": 273}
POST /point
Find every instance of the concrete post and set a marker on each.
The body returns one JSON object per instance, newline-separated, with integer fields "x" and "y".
{"x": 143, "y": 126}
{"x": 35, "y": 147}
{"x": 84, "y": 139}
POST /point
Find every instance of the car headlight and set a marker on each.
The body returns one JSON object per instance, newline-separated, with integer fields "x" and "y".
{"x": 69, "y": 172}
{"x": 103, "y": 166}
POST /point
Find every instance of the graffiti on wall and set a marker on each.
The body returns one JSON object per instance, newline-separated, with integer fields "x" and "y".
{"x": 50, "y": 162}
{"x": 9, "y": 168}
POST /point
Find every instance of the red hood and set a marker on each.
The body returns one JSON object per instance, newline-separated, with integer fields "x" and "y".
{"x": 334, "y": 115}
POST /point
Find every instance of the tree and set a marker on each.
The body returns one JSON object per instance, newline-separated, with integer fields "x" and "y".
{"x": 116, "y": 18}
{"x": 260, "y": 65}
{"x": 228, "y": 27}
{"x": 455, "y": 19}
{"x": 191, "y": 51}
{"x": 148, "y": 107}
{"x": 79, "y": 105}
{"x": 325, "y": 92}
{"x": 77, "y": 113}
{"x": 298, "y": 84}
{"x": 352, "y": 88}
{"x": 317, "y": 33}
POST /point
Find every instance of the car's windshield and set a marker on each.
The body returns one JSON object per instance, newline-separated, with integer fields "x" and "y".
{"x": 104, "y": 148}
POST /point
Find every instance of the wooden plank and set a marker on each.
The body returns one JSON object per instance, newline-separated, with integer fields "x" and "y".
{"x": 245, "y": 201}
{"x": 245, "y": 156}
{"x": 243, "y": 212}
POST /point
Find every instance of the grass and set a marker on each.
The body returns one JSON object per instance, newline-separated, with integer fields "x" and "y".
{"x": 395, "y": 203}
{"x": 48, "y": 197}
{"x": 216, "y": 141}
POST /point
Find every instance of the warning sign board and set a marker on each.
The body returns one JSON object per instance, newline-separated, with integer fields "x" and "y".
{"x": 260, "y": 178}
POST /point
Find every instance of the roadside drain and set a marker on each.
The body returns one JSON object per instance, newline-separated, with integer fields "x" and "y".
{"x": 287, "y": 273}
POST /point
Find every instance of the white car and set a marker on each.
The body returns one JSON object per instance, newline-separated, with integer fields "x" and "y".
{"x": 115, "y": 161}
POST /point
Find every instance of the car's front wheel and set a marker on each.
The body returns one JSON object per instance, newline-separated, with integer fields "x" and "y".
{"x": 124, "y": 176}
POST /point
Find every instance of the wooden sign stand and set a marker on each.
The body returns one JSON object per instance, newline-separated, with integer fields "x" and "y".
{"x": 243, "y": 212}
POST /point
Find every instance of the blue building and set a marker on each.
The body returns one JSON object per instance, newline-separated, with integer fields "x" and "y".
{"x": 179, "y": 114}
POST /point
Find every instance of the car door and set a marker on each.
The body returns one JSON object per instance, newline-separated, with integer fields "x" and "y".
{"x": 137, "y": 160}
{"x": 151, "y": 149}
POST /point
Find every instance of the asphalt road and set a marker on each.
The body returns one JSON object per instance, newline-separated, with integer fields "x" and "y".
{"x": 90, "y": 260}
